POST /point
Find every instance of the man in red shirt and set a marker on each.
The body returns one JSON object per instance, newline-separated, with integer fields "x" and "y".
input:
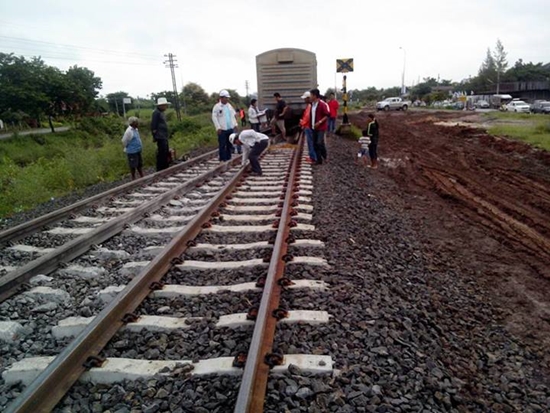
{"x": 320, "y": 113}
{"x": 333, "y": 106}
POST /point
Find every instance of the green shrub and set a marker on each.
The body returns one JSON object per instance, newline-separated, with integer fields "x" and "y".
{"x": 34, "y": 169}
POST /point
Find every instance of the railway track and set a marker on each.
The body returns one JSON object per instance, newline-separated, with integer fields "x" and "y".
{"x": 223, "y": 271}
{"x": 41, "y": 245}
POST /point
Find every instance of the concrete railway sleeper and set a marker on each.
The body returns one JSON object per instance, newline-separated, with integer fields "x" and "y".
{"x": 30, "y": 227}
{"x": 218, "y": 250}
{"x": 80, "y": 233}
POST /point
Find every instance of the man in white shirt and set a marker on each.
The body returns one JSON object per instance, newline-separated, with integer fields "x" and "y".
{"x": 254, "y": 143}
{"x": 225, "y": 122}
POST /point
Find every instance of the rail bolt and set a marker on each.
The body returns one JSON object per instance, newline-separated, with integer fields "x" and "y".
{"x": 130, "y": 318}
{"x": 293, "y": 212}
{"x": 267, "y": 257}
{"x": 295, "y": 196}
{"x": 215, "y": 214}
{"x": 156, "y": 285}
{"x": 240, "y": 360}
{"x": 261, "y": 282}
{"x": 279, "y": 213}
{"x": 176, "y": 261}
{"x": 72, "y": 216}
{"x": 93, "y": 361}
{"x": 275, "y": 224}
{"x": 191, "y": 243}
{"x": 252, "y": 313}
{"x": 290, "y": 239}
{"x": 293, "y": 224}
{"x": 281, "y": 205}
{"x": 274, "y": 359}
{"x": 146, "y": 215}
{"x": 207, "y": 225}
{"x": 271, "y": 240}
{"x": 223, "y": 205}
{"x": 285, "y": 282}
{"x": 280, "y": 313}
{"x": 287, "y": 257}
{"x": 228, "y": 197}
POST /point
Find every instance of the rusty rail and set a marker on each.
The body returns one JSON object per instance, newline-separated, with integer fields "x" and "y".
{"x": 252, "y": 391}
{"x": 50, "y": 386}
{"x": 10, "y": 283}
{"x": 27, "y": 228}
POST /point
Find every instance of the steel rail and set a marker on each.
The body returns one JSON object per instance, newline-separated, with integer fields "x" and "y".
{"x": 27, "y": 228}
{"x": 10, "y": 282}
{"x": 50, "y": 386}
{"x": 252, "y": 391}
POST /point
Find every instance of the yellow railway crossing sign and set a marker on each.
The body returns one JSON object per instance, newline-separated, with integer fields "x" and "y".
{"x": 344, "y": 65}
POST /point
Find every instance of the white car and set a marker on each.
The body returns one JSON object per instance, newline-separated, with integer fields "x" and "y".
{"x": 518, "y": 106}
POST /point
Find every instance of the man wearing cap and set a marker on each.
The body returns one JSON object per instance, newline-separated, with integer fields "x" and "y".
{"x": 306, "y": 127}
{"x": 225, "y": 122}
{"x": 254, "y": 143}
{"x": 159, "y": 128}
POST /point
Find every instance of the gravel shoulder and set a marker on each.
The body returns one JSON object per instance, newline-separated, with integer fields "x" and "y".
{"x": 416, "y": 324}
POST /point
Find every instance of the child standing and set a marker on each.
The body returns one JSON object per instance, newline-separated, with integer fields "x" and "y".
{"x": 372, "y": 133}
{"x": 364, "y": 142}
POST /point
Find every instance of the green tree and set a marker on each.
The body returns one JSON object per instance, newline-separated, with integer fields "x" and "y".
{"x": 501, "y": 64}
{"x": 527, "y": 72}
{"x": 115, "y": 102}
{"x": 194, "y": 99}
{"x": 32, "y": 87}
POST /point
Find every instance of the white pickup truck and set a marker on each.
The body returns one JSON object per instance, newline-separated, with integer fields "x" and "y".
{"x": 393, "y": 104}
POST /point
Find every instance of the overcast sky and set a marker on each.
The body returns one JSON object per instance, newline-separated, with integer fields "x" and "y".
{"x": 216, "y": 42}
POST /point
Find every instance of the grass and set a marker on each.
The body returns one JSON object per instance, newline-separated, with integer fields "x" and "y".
{"x": 36, "y": 168}
{"x": 533, "y": 129}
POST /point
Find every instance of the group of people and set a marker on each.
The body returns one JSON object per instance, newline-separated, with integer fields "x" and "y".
{"x": 318, "y": 120}
{"x": 131, "y": 141}
{"x": 368, "y": 143}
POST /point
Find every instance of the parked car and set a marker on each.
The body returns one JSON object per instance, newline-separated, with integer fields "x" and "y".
{"x": 541, "y": 107}
{"x": 393, "y": 104}
{"x": 482, "y": 104}
{"x": 518, "y": 106}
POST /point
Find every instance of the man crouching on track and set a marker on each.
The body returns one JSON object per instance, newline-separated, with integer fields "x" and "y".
{"x": 254, "y": 143}
{"x": 132, "y": 146}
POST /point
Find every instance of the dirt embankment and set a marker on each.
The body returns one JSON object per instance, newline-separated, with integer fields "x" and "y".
{"x": 486, "y": 201}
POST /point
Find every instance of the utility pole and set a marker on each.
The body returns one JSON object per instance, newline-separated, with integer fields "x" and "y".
{"x": 171, "y": 63}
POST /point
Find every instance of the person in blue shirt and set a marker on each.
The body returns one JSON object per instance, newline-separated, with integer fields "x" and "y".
{"x": 133, "y": 147}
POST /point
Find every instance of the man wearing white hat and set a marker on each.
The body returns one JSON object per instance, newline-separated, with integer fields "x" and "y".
{"x": 255, "y": 143}
{"x": 225, "y": 122}
{"x": 159, "y": 128}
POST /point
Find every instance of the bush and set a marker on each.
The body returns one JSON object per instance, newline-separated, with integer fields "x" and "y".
{"x": 33, "y": 169}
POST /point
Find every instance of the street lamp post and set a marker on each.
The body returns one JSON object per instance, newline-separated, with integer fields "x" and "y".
{"x": 403, "y": 74}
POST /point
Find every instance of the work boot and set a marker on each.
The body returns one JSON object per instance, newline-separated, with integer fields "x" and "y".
{"x": 374, "y": 164}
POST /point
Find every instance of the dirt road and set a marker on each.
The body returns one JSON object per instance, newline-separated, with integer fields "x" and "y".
{"x": 486, "y": 204}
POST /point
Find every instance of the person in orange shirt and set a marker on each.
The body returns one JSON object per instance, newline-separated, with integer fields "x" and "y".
{"x": 306, "y": 127}
{"x": 242, "y": 116}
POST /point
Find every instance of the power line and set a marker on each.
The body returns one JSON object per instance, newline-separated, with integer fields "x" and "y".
{"x": 89, "y": 60}
{"x": 119, "y": 52}
{"x": 75, "y": 55}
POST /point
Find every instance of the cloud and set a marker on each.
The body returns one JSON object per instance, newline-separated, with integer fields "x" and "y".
{"x": 216, "y": 41}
